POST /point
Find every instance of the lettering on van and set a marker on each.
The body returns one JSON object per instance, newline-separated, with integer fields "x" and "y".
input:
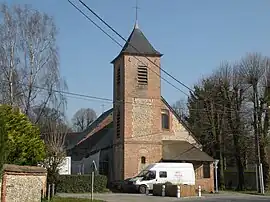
{"x": 178, "y": 174}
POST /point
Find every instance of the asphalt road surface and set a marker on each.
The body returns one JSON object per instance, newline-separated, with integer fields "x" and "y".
{"x": 230, "y": 197}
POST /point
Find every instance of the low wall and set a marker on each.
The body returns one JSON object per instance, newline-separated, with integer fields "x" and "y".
{"x": 171, "y": 190}
{"x": 231, "y": 180}
{"x": 26, "y": 183}
{"x": 207, "y": 184}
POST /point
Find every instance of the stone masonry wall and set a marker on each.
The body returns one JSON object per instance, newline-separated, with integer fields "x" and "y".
{"x": 177, "y": 130}
{"x": 142, "y": 120}
{"x": 23, "y": 183}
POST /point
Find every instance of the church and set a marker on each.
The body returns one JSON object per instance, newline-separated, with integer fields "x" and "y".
{"x": 141, "y": 128}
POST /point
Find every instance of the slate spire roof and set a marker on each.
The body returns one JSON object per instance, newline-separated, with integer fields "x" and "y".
{"x": 138, "y": 44}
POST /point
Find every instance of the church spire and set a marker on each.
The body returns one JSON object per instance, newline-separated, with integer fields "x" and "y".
{"x": 136, "y": 26}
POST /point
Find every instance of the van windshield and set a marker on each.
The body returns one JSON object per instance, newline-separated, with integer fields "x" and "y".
{"x": 147, "y": 174}
{"x": 142, "y": 173}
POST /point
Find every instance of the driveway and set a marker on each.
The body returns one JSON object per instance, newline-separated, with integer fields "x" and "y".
{"x": 143, "y": 198}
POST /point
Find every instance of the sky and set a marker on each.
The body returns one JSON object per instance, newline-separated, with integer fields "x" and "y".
{"x": 194, "y": 36}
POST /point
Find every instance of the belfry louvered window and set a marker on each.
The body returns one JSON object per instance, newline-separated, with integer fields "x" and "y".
{"x": 118, "y": 82}
{"x": 118, "y": 122}
{"x": 118, "y": 76}
{"x": 142, "y": 75}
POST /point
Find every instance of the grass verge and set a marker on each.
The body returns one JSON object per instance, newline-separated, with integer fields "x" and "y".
{"x": 59, "y": 199}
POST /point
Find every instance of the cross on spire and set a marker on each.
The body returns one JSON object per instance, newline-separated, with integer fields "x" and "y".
{"x": 136, "y": 16}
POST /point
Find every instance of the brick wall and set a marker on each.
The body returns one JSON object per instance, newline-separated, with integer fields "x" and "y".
{"x": 140, "y": 107}
{"x": 142, "y": 112}
{"x": 207, "y": 184}
{"x": 23, "y": 183}
{"x": 141, "y": 104}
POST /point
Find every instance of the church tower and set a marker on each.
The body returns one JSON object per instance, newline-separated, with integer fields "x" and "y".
{"x": 137, "y": 102}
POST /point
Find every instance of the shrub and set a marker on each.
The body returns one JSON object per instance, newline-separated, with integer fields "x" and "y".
{"x": 24, "y": 143}
{"x": 168, "y": 183}
{"x": 3, "y": 145}
{"x": 80, "y": 183}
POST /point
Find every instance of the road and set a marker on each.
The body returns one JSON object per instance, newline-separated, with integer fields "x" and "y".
{"x": 229, "y": 197}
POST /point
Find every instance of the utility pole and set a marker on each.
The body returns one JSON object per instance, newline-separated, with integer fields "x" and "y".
{"x": 257, "y": 143}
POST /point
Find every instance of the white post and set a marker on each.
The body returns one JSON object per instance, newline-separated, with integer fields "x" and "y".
{"x": 257, "y": 180}
{"x": 53, "y": 188}
{"x": 163, "y": 190}
{"x": 178, "y": 194}
{"x": 261, "y": 176}
{"x": 92, "y": 178}
{"x": 147, "y": 190}
{"x": 216, "y": 174}
{"x": 200, "y": 191}
{"x": 92, "y": 186}
{"x": 49, "y": 192}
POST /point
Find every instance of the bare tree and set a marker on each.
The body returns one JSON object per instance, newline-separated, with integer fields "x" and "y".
{"x": 255, "y": 70}
{"x": 83, "y": 118}
{"x": 29, "y": 59}
{"x": 180, "y": 107}
{"x": 54, "y": 139}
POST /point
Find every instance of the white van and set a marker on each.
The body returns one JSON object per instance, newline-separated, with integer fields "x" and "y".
{"x": 175, "y": 173}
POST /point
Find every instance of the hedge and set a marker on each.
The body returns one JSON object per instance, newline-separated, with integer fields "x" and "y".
{"x": 81, "y": 184}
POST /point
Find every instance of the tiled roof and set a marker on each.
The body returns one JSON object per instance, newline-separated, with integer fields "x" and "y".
{"x": 72, "y": 139}
{"x": 88, "y": 145}
{"x": 173, "y": 150}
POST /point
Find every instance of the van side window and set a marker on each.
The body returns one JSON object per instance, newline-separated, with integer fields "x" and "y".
{"x": 163, "y": 174}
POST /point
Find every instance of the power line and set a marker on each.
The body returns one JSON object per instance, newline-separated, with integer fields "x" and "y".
{"x": 91, "y": 97}
{"x": 103, "y": 21}
{"x": 94, "y": 23}
{"x": 76, "y": 7}
{"x": 108, "y": 100}
{"x": 135, "y": 48}
{"x": 118, "y": 34}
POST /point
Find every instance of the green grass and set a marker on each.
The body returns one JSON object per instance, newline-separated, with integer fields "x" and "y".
{"x": 58, "y": 199}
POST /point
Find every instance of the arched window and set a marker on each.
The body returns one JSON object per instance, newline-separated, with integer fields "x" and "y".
{"x": 165, "y": 121}
{"x": 143, "y": 160}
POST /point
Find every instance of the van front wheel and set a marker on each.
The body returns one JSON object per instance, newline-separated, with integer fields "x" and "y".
{"x": 142, "y": 189}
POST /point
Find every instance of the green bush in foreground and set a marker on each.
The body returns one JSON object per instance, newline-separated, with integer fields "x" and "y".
{"x": 81, "y": 184}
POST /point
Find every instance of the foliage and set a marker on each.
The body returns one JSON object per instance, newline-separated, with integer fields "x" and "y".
{"x": 24, "y": 143}
{"x": 3, "y": 144}
{"x": 227, "y": 109}
{"x": 81, "y": 184}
